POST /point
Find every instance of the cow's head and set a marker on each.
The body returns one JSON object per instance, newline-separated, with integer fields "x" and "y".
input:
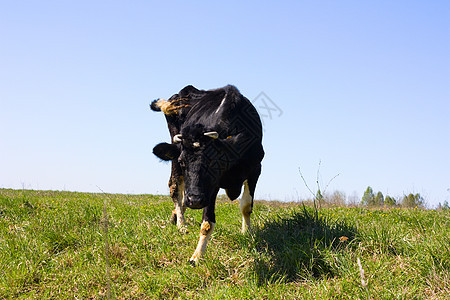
{"x": 204, "y": 156}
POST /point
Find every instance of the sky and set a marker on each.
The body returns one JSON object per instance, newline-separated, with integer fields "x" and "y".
{"x": 361, "y": 88}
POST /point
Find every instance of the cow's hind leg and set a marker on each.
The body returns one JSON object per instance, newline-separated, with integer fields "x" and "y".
{"x": 246, "y": 203}
{"x": 246, "y": 206}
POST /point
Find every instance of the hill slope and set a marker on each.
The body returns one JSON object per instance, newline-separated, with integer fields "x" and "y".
{"x": 57, "y": 245}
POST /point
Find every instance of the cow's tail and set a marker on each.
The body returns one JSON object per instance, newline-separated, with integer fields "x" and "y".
{"x": 156, "y": 105}
{"x": 168, "y": 107}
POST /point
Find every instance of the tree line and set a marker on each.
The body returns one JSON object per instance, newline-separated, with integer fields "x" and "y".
{"x": 378, "y": 199}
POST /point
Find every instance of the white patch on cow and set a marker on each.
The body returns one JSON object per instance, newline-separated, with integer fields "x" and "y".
{"x": 221, "y": 103}
{"x": 196, "y": 144}
{"x": 180, "y": 207}
{"x": 246, "y": 208}
{"x": 206, "y": 231}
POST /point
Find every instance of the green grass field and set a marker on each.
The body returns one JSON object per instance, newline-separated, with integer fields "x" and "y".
{"x": 58, "y": 245}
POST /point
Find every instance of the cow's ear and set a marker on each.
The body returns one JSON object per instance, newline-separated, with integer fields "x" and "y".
{"x": 166, "y": 151}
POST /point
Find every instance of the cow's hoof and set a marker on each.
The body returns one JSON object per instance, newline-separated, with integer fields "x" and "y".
{"x": 183, "y": 229}
{"x": 192, "y": 263}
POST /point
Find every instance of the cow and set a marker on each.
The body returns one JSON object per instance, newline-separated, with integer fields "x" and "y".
{"x": 216, "y": 142}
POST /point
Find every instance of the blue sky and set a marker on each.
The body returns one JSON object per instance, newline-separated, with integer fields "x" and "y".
{"x": 363, "y": 87}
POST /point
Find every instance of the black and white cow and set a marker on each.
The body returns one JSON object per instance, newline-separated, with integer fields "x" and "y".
{"x": 216, "y": 143}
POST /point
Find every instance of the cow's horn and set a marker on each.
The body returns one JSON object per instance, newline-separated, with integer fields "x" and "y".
{"x": 212, "y": 134}
{"x": 177, "y": 138}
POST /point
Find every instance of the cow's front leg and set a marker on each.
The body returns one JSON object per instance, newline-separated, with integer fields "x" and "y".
{"x": 177, "y": 194}
{"x": 206, "y": 230}
{"x": 205, "y": 233}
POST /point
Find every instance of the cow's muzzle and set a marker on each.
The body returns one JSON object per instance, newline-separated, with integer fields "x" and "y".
{"x": 195, "y": 202}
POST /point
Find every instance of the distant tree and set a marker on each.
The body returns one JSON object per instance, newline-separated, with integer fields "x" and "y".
{"x": 379, "y": 199}
{"x": 444, "y": 206}
{"x": 354, "y": 199}
{"x": 413, "y": 200}
{"x": 337, "y": 198}
{"x": 390, "y": 201}
{"x": 368, "y": 197}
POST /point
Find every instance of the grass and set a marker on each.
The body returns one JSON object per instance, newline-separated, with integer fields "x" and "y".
{"x": 63, "y": 245}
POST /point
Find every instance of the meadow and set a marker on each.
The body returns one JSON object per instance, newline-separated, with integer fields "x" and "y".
{"x": 66, "y": 245}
